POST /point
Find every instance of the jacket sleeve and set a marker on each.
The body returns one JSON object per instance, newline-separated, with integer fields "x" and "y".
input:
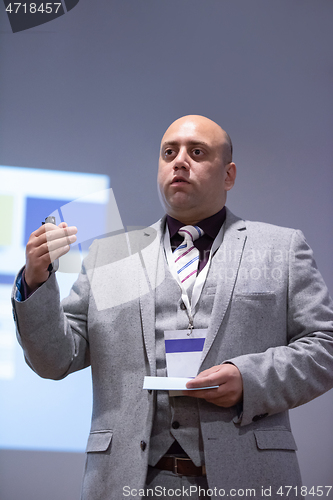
{"x": 54, "y": 335}
{"x": 287, "y": 376}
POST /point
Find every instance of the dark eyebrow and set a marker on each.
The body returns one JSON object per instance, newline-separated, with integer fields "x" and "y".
{"x": 191, "y": 143}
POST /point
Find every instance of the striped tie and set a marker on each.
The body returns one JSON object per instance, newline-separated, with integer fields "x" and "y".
{"x": 187, "y": 256}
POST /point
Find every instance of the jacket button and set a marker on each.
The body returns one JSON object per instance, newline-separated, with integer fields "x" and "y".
{"x": 175, "y": 424}
{"x": 182, "y": 306}
{"x": 143, "y": 445}
{"x": 259, "y": 417}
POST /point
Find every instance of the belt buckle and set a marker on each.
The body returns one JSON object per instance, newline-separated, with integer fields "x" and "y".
{"x": 175, "y": 464}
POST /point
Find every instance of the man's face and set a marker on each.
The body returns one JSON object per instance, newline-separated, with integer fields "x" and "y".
{"x": 192, "y": 177}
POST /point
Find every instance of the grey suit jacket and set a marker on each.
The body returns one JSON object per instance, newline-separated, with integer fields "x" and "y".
{"x": 272, "y": 317}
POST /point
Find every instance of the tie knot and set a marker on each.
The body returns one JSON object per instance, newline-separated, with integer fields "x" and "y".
{"x": 191, "y": 232}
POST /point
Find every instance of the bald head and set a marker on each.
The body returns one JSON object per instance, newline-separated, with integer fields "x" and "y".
{"x": 195, "y": 168}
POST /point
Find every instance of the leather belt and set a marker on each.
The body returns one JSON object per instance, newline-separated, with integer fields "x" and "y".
{"x": 180, "y": 466}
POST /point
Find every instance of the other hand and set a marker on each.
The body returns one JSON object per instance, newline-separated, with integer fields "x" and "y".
{"x": 45, "y": 245}
{"x": 229, "y": 380}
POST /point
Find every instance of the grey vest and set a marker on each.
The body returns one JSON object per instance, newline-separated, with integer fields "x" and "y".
{"x": 176, "y": 418}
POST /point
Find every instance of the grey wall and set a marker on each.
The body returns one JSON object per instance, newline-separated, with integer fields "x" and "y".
{"x": 95, "y": 89}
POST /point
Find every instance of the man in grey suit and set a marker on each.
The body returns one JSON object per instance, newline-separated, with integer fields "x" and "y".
{"x": 258, "y": 298}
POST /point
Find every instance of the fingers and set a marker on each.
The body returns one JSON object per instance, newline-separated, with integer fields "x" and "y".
{"x": 50, "y": 242}
{"x": 229, "y": 381}
{"x": 207, "y": 394}
{"x": 207, "y": 378}
{"x": 59, "y": 239}
{"x": 51, "y": 231}
{"x": 55, "y": 236}
{"x": 45, "y": 245}
{"x": 220, "y": 397}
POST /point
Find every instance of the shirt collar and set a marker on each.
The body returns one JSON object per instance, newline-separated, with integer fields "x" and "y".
{"x": 211, "y": 225}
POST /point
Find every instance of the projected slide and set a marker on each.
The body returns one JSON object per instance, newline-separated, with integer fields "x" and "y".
{"x": 37, "y": 413}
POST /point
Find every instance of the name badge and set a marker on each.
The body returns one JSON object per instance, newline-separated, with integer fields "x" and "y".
{"x": 183, "y": 352}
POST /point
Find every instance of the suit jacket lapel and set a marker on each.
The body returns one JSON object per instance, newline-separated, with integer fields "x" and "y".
{"x": 224, "y": 266}
{"x": 150, "y": 248}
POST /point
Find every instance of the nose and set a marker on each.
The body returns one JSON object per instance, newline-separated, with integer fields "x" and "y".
{"x": 181, "y": 160}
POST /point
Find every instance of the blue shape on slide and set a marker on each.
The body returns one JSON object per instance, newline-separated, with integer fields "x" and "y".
{"x": 36, "y": 210}
{"x": 89, "y": 218}
{"x": 7, "y": 279}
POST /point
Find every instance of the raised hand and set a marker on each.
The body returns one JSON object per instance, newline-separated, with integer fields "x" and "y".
{"x": 45, "y": 245}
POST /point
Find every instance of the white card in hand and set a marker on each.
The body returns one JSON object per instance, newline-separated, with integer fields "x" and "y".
{"x": 170, "y": 384}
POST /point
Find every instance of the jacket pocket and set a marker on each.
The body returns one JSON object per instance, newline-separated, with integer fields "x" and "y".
{"x": 99, "y": 441}
{"x": 256, "y": 296}
{"x": 275, "y": 439}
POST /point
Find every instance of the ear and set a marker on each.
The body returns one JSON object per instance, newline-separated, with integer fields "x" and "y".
{"x": 230, "y": 175}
